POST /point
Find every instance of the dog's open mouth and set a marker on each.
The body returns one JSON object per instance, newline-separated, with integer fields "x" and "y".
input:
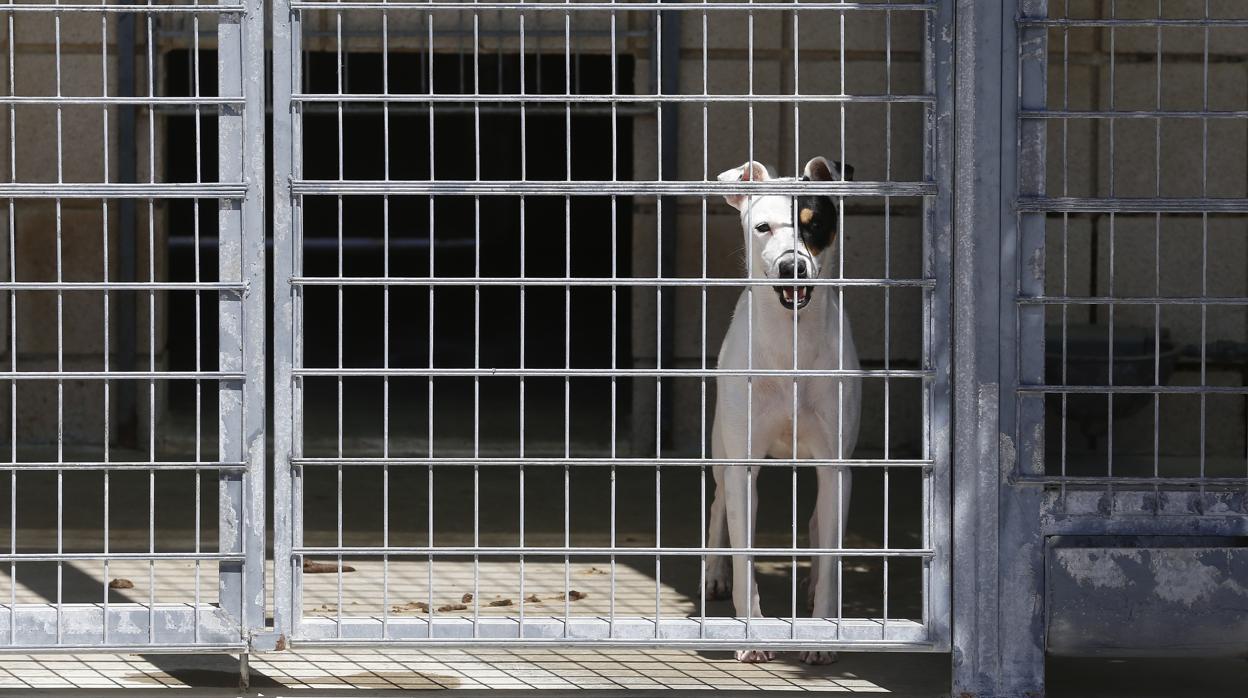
{"x": 794, "y": 296}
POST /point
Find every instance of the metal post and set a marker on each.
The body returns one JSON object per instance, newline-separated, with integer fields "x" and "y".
{"x": 997, "y": 624}
{"x": 241, "y": 258}
{"x": 286, "y": 336}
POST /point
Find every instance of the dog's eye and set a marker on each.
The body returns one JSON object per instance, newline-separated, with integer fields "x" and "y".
{"x": 763, "y": 228}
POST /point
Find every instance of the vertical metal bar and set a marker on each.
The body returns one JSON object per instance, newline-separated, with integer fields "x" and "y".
{"x": 255, "y": 312}
{"x": 287, "y": 67}
{"x": 230, "y": 311}
{"x": 385, "y": 330}
{"x": 702, "y": 448}
{"x": 524, "y": 175}
{"x": 941, "y": 146}
{"x": 60, "y": 344}
{"x": 240, "y": 73}
{"x": 338, "y": 318}
{"x": 1022, "y": 553}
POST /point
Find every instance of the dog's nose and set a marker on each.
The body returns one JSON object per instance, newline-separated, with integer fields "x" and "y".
{"x": 786, "y": 268}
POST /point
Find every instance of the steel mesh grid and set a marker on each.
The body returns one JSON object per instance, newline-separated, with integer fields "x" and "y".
{"x": 345, "y": 34}
{"x": 1140, "y": 374}
{"x": 94, "y": 560}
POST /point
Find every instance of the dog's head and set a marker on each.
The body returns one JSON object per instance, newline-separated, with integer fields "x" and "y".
{"x": 779, "y": 248}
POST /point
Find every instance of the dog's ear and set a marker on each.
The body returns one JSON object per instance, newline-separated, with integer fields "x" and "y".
{"x": 748, "y": 172}
{"x": 820, "y": 170}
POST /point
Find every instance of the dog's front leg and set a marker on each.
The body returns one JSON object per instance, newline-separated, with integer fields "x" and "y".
{"x": 831, "y": 506}
{"x": 741, "y": 506}
{"x": 718, "y": 573}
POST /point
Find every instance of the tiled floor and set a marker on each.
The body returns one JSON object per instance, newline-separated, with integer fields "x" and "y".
{"x": 488, "y": 668}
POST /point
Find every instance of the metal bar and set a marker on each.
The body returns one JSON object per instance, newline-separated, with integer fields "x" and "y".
{"x": 1136, "y": 389}
{"x": 223, "y": 9}
{"x": 1026, "y": 22}
{"x": 639, "y": 6}
{"x": 556, "y": 551}
{"x": 121, "y": 375}
{"x": 121, "y": 190}
{"x": 128, "y": 101}
{"x": 123, "y": 465}
{"x": 1108, "y": 205}
{"x": 1100, "y": 482}
{"x": 1133, "y": 300}
{"x": 587, "y": 188}
{"x": 121, "y": 286}
{"x": 287, "y": 77}
{"x": 665, "y": 99}
{"x": 615, "y": 281}
{"x": 114, "y": 556}
{"x": 941, "y": 147}
{"x": 599, "y": 373}
{"x": 1132, "y": 114}
{"x": 620, "y": 462}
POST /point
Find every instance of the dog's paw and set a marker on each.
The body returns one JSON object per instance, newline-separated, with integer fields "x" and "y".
{"x": 755, "y": 656}
{"x": 818, "y": 657}
{"x": 718, "y": 588}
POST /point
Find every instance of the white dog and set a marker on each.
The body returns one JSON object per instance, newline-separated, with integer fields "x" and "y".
{"x": 786, "y": 253}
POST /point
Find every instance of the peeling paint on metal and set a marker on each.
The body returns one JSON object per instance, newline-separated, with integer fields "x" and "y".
{"x": 1095, "y": 568}
{"x": 1185, "y": 580}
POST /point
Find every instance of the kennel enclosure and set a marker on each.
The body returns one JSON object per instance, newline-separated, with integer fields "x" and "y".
{"x": 500, "y": 270}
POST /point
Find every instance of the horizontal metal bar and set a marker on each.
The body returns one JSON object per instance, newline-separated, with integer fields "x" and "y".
{"x": 621, "y": 462}
{"x": 1035, "y": 204}
{"x": 122, "y": 465}
{"x": 618, "y": 630}
{"x": 1136, "y": 389}
{"x": 1133, "y": 300}
{"x": 1115, "y": 481}
{"x": 136, "y": 648}
{"x": 493, "y": 550}
{"x": 122, "y": 286}
{"x": 651, "y": 6}
{"x": 66, "y": 557}
{"x": 120, "y": 375}
{"x": 517, "y": 99}
{"x": 605, "y": 188}
{"x": 124, "y": 9}
{"x": 1122, "y": 22}
{"x": 1134, "y": 114}
{"x": 141, "y": 101}
{"x": 113, "y": 190}
{"x": 873, "y": 645}
{"x": 590, "y": 281}
{"x": 602, "y": 373}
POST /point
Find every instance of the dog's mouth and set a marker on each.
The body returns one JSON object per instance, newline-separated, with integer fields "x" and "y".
{"x": 792, "y": 297}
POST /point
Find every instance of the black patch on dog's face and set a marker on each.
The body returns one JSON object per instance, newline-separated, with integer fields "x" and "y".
{"x": 816, "y": 221}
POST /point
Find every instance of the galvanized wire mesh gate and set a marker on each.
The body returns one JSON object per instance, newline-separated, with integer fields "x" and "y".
{"x": 94, "y": 558}
{"x": 504, "y": 145}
